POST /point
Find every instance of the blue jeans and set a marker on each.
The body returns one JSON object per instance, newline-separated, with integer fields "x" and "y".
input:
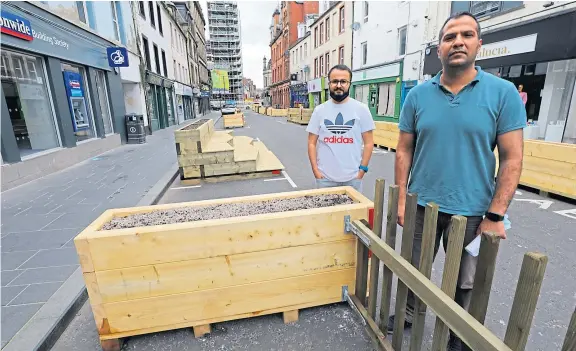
{"x": 327, "y": 183}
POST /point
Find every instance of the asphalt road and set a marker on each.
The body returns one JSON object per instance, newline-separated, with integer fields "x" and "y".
{"x": 536, "y": 226}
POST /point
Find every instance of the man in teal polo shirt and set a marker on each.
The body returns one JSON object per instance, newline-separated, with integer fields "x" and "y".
{"x": 449, "y": 127}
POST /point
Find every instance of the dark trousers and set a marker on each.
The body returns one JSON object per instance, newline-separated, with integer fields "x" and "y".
{"x": 467, "y": 264}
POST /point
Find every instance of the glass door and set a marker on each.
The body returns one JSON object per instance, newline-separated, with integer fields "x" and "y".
{"x": 103, "y": 101}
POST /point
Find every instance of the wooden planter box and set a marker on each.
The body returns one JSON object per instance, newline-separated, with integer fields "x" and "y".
{"x": 234, "y": 121}
{"x": 150, "y": 279}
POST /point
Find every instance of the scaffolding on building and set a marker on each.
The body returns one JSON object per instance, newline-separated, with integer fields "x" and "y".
{"x": 225, "y": 47}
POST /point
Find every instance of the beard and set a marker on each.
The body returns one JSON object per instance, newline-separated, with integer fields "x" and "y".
{"x": 339, "y": 95}
{"x": 459, "y": 61}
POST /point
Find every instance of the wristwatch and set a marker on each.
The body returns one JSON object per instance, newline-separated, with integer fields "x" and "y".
{"x": 494, "y": 217}
{"x": 364, "y": 168}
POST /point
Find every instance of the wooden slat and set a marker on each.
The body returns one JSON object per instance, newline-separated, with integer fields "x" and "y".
{"x": 548, "y": 182}
{"x": 197, "y": 307}
{"x": 376, "y": 334}
{"x": 425, "y": 267}
{"x": 552, "y": 151}
{"x": 450, "y": 275}
{"x": 545, "y": 166}
{"x": 406, "y": 251}
{"x": 391, "y": 225}
{"x": 213, "y": 238}
{"x": 201, "y": 330}
{"x": 375, "y": 268}
{"x": 570, "y": 340}
{"x": 290, "y": 316}
{"x": 361, "y": 270}
{"x": 474, "y": 334}
{"x": 223, "y": 271}
{"x": 525, "y": 299}
{"x": 484, "y": 276}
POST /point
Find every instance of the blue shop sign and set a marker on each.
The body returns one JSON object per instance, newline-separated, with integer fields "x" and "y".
{"x": 117, "y": 56}
{"x": 16, "y": 26}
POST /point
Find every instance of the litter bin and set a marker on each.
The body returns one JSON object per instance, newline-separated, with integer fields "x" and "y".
{"x": 136, "y": 134}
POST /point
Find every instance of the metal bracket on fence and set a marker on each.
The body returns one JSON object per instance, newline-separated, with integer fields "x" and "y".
{"x": 346, "y": 298}
{"x": 349, "y": 227}
{"x": 344, "y": 293}
{"x": 347, "y": 223}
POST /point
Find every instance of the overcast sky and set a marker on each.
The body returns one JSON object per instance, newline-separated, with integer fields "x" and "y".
{"x": 255, "y": 19}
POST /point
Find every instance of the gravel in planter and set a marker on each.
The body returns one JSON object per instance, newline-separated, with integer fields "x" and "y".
{"x": 191, "y": 214}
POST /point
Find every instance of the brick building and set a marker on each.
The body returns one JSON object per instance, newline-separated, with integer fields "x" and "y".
{"x": 284, "y": 33}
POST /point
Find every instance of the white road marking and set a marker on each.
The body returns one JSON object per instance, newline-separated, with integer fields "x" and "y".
{"x": 518, "y": 192}
{"x": 186, "y": 187}
{"x": 274, "y": 179}
{"x": 289, "y": 179}
{"x": 544, "y": 204}
{"x": 281, "y": 122}
{"x": 379, "y": 151}
{"x": 567, "y": 213}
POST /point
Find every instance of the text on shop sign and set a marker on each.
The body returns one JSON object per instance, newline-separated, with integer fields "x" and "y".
{"x": 508, "y": 47}
{"x": 16, "y": 26}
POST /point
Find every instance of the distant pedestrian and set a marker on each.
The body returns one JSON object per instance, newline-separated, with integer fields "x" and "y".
{"x": 449, "y": 127}
{"x": 340, "y": 140}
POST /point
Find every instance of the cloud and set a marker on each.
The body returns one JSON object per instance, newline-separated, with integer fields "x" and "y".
{"x": 255, "y": 20}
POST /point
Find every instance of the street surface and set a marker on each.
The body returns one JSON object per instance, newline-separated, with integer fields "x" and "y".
{"x": 538, "y": 224}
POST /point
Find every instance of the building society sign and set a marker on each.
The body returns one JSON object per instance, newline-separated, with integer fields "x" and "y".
{"x": 16, "y": 26}
{"x": 508, "y": 47}
{"x": 117, "y": 56}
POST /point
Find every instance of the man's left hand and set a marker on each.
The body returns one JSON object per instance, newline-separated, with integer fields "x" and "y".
{"x": 494, "y": 227}
{"x": 360, "y": 174}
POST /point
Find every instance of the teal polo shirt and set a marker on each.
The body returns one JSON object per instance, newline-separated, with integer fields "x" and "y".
{"x": 454, "y": 164}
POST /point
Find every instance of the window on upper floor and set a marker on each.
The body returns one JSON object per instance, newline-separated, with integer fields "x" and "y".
{"x": 327, "y": 62}
{"x": 146, "y": 53}
{"x": 115, "y": 20}
{"x": 141, "y": 9}
{"x": 364, "y": 52}
{"x": 341, "y": 55}
{"x": 157, "y": 59}
{"x": 151, "y": 13}
{"x": 321, "y": 65}
{"x": 484, "y": 8}
{"x": 402, "y": 41}
{"x": 305, "y": 50}
{"x": 81, "y": 11}
{"x": 328, "y": 28}
{"x": 321, "y": 33}
{"x": 159, "y": 20}
{"x": 366, "y": 11}
{"x": 316, "y": 68}
{"x": 164, "y": 65}
{"x": 316, "y": 37}
{"x": 342, "y": 25}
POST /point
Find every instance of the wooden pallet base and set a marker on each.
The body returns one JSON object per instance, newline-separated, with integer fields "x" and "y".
{"x": 228, "y": 178}
{"x": 111, "y": 345}
{"x": 385, "y": 147}
{"x": 233, "y": 127}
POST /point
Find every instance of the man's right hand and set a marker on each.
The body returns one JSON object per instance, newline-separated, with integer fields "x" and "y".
{"x": 318, "y": 175}
{"x": 401, "y": 209}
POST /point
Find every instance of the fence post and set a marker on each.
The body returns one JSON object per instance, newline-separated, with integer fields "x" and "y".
{"x": 406, "y": 253}
{"x": 450, "y": 276}
{"x": 391, "y": 225}
{"x": 425, "y": 267}
{"x": 525, "y": 299}
{"x": 361, "y": 270}
{"x": 484, "y": 276}
{"x": 570, "y": 340}
{"x": 375, "y": 268}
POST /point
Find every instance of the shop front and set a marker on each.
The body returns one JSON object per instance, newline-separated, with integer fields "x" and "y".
{"x": 58, "y": 93}
{"x": 299, "y": 95}
{"x": 542, "y": 65}
{"x": 316, "y": 92}
{"x": 184, "y": 110}
{"x": 379, "y": 87}
{"x": 160, "y": 102}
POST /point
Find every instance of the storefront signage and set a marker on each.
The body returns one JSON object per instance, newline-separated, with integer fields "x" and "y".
{"x": 391, "y": 70}
{"x": 117, "y": 56}
{"x": 188, "y": 91}
{"x": 315, "y": 85}
{"x": 508, "y": 47}
{"x": 16, "y": 26}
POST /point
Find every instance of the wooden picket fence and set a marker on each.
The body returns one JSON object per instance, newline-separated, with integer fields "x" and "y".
{"x": 450, "y": 316}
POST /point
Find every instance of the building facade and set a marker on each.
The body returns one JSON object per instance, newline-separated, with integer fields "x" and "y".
{"x": 225, "y": 51}
{"x": 267, "y": 81}
{"x": 300, "y": 71}
{"x": 284, "y": 33}
{"x": 61, "y": 101}
{"x": 521, "y": 44}
{"x": 331, "y": 43}
{"x": 201, "y": 77}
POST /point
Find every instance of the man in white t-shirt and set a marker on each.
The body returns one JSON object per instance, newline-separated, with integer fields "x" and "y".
{"x": 340, "y": 140}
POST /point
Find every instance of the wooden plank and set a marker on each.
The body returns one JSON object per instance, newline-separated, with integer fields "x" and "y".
{"x": 212, "y": 238}
{"x": 111, "y": 345}
{"x": 391, "y": 225}
{"x": 406, "y": 251}
{"x": 525, "y": 299}
{"x": 380, "y": 189}
{"x": 382, "y": 342}
{"x": 201, "y": 330}
{"x": 223, "y": 271}
{"x": 546, "y": 166}
{"x": 450, "y": 276}
{"x": 547, "y": 182}
{"x": 361, "y": 271}
{"x": 484, "y": 276}
{"x": 474, "y": 334}
{"x": 570, "y": 340}
{"x": 552, "y": 151}
{"x": 220, "y": 303}
{"x": 290, "y": 316}
{"x": 425, "y": 267}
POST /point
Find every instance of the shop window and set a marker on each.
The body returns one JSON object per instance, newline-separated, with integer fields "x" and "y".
{"x": 361, "y": 93}
{"x": 386, "y": 99}
{"x": 29, "y": 102}
{"x": 79, "y": 101}
{"x": 103, "y": 101}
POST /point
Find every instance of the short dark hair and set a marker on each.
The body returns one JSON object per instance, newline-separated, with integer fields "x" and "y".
{"x": 340, "y": 68}
{"x": 456, "y": 16}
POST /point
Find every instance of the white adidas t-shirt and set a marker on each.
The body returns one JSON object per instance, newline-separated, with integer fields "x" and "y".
{"x": 339, "y": 128}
